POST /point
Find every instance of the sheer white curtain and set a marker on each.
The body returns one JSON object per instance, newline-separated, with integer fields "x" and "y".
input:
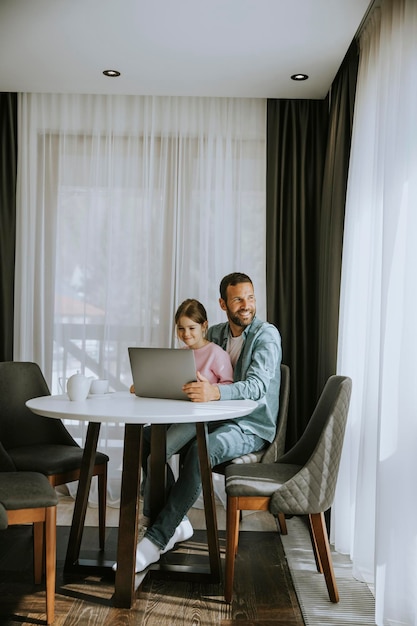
{"x": 374, "y": 517}
{"x": 126, "y": 206}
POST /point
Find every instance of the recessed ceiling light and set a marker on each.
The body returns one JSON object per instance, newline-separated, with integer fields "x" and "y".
{"x": 111, "y": 73}
{"x": 299, "y": 77}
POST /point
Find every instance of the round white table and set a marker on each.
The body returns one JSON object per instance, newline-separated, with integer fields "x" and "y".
{"x": 134, "y": 412}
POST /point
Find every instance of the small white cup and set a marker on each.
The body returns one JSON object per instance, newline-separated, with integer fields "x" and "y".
{"x": 100, "y": 385}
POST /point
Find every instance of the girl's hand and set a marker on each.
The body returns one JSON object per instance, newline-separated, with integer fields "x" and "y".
{"x": 201, "y": 378}
{"x": 132, "y": 389}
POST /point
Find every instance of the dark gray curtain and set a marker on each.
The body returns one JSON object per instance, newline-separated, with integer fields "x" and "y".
{"x": 308, "y": 144}
{"x": 8, "y": 166}
{"x": 296, "y": 146}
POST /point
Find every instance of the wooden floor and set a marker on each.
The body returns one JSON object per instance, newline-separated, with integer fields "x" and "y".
{"x": 264, "y": 593}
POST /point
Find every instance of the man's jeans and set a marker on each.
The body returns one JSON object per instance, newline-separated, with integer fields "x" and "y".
{"x": 225, "y": 441}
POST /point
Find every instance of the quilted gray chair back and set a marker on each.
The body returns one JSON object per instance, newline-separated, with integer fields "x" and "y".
{"x": 313, "y": 463}
{"x": 277, "y": 447}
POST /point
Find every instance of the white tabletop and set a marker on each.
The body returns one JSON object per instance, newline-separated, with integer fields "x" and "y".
{"x": 124, "y": 407}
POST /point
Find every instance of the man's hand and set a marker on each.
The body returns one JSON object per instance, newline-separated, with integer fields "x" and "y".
{"x": 202, "y": 390}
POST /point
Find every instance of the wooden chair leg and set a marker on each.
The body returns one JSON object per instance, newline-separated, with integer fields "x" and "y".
{"x": 315, "y": 547}
{"x": 102, "y": 503}
{"x": 282, "y": 524}
{"x": 232, "y": 538}
{"x": 38, "y": 552}
{"x": 50, "y": 562}
{"x": 319, "y": 529}
{"x": 238, "y": 520}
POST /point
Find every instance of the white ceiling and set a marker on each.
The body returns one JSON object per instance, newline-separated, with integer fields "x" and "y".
{"x": 238, "y": 48}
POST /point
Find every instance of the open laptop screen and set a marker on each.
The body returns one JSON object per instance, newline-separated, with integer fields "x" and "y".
{"x": 161, "y": 372}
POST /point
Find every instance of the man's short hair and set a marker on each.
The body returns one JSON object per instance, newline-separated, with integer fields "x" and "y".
{"x": 235, "y": 278}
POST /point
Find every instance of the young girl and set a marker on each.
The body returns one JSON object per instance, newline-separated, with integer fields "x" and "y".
{"x": 211, "y": 361}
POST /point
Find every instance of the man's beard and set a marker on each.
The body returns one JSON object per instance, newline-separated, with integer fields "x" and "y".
{"x": 242, "y": 323}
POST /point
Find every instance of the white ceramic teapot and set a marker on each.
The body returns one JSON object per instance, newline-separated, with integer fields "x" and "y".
{"x": 78, "y": 387}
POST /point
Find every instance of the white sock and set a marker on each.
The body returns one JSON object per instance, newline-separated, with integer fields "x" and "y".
{"x": 183, "y": 531}
{"x": 146, "y": 554}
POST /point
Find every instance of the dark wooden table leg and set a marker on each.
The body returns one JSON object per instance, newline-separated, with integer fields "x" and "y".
{"x": 157, "y": 469}
{"x": 209, "y": 503}
{"x": 124, "y": 596}
{"x": 81, "y": 500}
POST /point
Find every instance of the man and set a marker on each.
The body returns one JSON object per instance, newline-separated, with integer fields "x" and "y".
{"x": 255, "y": 350}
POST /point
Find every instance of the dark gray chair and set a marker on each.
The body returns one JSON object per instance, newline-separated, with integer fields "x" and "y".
{"x": 277, "y": 447}
{"x": 28, "y": 498}
{"x": 40, "y": 444}
{"x": 301, "y": 482}
{"x": 3, "y": 518}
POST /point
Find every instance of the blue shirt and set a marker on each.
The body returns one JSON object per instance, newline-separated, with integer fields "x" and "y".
{"x": 257, "y": 375}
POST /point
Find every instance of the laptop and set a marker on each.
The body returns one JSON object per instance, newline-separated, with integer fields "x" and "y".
{"x": 162, "y": 372}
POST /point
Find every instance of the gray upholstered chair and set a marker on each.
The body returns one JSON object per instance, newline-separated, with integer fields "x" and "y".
{"x": 276, "y": 448}
{"x": 28, "y": 498}
{"x": 3, "y": 518}
{"x": 301, "y": 482}
{"x": 40, "y": 444}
